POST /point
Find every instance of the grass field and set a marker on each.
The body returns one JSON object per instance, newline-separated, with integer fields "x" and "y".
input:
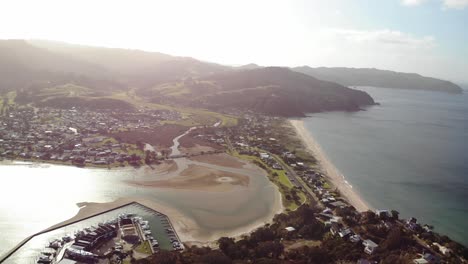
{"x": 283, "y": 179}
{"x": 279, "y": 178}
{"x": 190, "y": 116}
{"x": 144, "y": 248}
{"x": 65, "y": 90}
{"x": 7, "y": 99}
{"x": 10, "y": 96}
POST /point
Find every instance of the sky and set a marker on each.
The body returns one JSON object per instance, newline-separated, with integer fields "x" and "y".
{"x": 429, "y": 37}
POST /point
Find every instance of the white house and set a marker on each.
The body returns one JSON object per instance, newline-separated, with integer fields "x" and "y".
{"x": 370, "y": 246}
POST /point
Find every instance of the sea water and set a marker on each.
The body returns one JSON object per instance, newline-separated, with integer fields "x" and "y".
{"x": 410, "y": 154}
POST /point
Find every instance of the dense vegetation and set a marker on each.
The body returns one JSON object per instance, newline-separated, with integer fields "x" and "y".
{"x": 309, "y": 243}
{"x": 272, "y": 90}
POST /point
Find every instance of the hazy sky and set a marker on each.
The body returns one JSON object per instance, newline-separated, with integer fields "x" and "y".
{"x": 424, "y": 36}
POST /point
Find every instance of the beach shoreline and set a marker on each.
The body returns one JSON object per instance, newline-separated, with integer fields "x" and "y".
{"x": 329, "y": 170}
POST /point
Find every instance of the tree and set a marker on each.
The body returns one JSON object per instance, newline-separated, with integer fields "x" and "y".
{"x": 312, "y": 231}
{"x": 224, "y": 243}
{"x": 369, "y": 217}
{"x": 269, "y": 249}
{"x": 395, "y": 259}
{"x": 215, "y": 257}
{"x": 314, "y": 255}
{"x": 393, "y": 240}
{"x": 395, "y": 214}
{"x": 262, "y": 234}
{"x": 148, "y": 158}
{"x": 140, "y": 144}
{"x": 165, "y": 257}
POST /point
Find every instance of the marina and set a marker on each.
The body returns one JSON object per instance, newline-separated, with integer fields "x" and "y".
{"x": 113, "y": 232}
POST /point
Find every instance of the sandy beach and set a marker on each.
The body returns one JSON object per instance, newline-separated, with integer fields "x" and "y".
{"x": 332, "y": 173}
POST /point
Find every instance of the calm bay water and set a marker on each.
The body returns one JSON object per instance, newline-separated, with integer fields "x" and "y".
{"x": 35, "y": 197}
{"x": 409, "y": 154}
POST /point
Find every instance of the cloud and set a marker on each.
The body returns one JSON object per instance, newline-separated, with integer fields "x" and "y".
{"x": 385, "y": 38}
{"x": 412, "y": 2}
{"x": 456, "y": 4}
{"x": 449, "y": 4}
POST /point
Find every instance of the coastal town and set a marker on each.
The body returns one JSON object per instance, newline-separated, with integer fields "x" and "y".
{"x": 73, "y": 136}
{"x": 86, "y": 138}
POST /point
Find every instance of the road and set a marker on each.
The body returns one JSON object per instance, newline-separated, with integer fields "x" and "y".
{"x": 294, "y": 178}
{"x": 290, "y": 173}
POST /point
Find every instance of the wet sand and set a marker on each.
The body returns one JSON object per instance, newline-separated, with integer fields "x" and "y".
{"x": 199, "y": 178}
{"x": 331, "y": 172}
{"x": 186, "y": 228}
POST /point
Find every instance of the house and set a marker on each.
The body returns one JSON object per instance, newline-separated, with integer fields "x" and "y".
{"x": 344, "y": 232}
{"x": 290, "y": 229}
{"x": 369, "y": 246}
{"x": 334, "y": 229}
{"x": 364, "y": 261}
{"x": 426, "y": 259}
{"x": 420, "y": 261}
{"x": 427, "y": 228}
{"x": 355, "y": 238}
{"x": 67, "y": 261}
{"x": 264, "y": 156}
{"x": 431, "y": 258}
{"x": 383, "y": 213}
{"x": 338, "y": 204}
{"x": 276, "y": 166}
{"x": 412, "y": 224}
{"x": 442, "y": 249}
{"x": 129, "y": 230}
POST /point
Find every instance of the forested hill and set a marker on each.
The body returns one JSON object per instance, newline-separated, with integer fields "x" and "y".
{"x": 269, "y": 90}
{"x": 379, "y": 78}
{"x": 38, "y": 70}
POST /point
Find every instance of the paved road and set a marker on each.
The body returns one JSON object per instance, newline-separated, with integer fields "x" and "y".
{"x": 290, "y": 173}
{"x": 294, "y": 178}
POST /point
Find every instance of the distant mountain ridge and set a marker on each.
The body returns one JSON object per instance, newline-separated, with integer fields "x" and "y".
{"x": 134, "y": 67}
{"x": 379, "y": 78}
{"x": 38, "y": 70}
{"x": 31, "y": 66}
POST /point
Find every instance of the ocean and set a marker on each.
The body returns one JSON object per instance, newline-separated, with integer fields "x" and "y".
{"x": 409, "y": 154}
